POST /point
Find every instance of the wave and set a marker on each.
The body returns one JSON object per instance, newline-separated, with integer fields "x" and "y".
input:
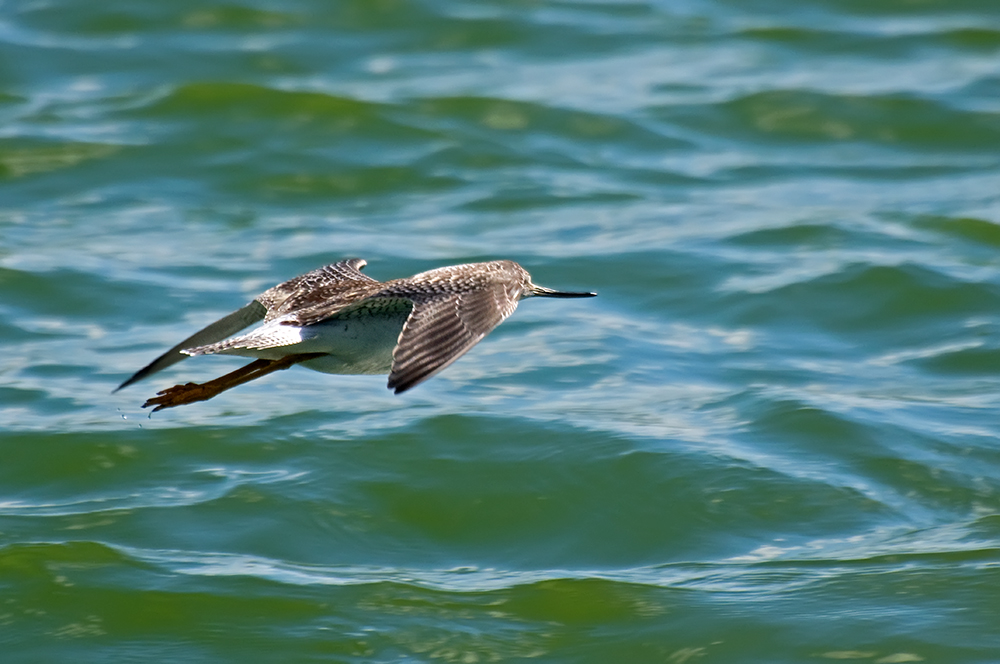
{"x": 766, "y": 570}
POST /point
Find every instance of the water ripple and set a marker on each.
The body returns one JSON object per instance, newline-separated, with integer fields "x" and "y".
{"x": 772, "y": 437}
{"x": 767, "y": 569}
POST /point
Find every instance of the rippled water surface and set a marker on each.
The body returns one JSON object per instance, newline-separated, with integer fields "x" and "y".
{"x": 773, "y": 437}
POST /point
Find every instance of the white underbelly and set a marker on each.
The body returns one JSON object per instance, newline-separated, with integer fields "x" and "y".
{"x": 361, "y": 345}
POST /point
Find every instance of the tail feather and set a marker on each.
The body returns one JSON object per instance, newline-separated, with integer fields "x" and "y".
{"x": 270, "y": 335}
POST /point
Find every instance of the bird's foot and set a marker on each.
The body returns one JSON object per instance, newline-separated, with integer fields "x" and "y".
{"x": 178, "y": 395}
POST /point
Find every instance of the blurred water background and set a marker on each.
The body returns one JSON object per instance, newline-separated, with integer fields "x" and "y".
{"x": 774, "y": 437}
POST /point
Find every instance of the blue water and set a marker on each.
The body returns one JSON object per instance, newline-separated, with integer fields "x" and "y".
{"x": 772, "y": 437}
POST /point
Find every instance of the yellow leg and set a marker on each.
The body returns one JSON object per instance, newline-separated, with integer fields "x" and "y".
{"x": 178, "y": 395}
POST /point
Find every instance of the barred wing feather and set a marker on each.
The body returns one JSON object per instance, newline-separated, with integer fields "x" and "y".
{"x": 442, "y": 328}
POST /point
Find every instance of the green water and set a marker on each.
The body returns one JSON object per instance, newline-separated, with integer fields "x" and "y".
{"x": 773, "y": 437}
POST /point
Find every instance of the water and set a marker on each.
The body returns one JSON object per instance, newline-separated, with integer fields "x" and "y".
{"x": 773, "y": 437}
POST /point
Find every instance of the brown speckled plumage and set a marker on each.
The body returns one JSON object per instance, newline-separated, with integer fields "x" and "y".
{"x": 440, "y": 314}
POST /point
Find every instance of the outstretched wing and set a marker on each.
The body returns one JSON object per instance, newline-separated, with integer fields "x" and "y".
{"x": 303, "y": 292}
{"x": 442, "y": 327}
{"x": 220, "y": 329}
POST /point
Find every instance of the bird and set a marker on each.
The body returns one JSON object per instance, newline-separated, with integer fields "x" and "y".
{"x": 337, "y": 320}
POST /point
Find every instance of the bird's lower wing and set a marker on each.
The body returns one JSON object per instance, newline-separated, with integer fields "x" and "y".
{"x": 217, "y": 331}
{"x": 442, "y": 328}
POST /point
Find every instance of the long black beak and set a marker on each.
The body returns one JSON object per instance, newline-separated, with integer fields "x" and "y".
{"x": 541, "y": 291}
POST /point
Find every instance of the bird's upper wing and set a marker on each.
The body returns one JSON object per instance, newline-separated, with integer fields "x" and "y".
{"x": 319, "y": 289}
{"x": 306, "y": 290}
{"x": 442, "y": 327}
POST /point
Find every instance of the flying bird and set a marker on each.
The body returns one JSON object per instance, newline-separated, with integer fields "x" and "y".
{"x": 337, "y": 320}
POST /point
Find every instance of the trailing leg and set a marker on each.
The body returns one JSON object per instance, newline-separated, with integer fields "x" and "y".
{"x": 179, "y": 395}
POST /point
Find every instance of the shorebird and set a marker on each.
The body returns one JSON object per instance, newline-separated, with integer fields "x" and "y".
{"x": 340, "y": 321}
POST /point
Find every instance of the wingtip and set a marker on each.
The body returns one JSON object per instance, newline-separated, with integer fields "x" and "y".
{"x": 399, "y": 387}
{"x": 132, "y": 379}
